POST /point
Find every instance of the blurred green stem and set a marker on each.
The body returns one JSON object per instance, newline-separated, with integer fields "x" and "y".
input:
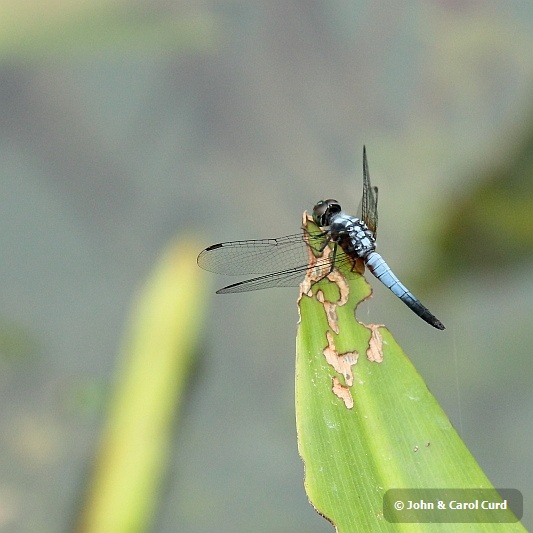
{"x": 150, "y": 382}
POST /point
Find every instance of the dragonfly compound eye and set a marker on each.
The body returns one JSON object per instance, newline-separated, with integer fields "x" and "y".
{"x": 323, "y": 211}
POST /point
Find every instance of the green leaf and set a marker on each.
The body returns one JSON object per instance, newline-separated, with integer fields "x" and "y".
{"x": 92, "y": 29}
{"x": 394, "y": 436}
{"x": 150, "y": 382}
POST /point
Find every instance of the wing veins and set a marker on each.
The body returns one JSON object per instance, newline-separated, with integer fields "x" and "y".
{"x": 262, "y": 256}
{"x": 291, "y": 277}
{"x": 369, "y": 212}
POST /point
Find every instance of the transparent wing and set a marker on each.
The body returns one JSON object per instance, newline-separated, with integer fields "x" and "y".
{"x": 369, "y": 212}
{"x": 285, "y": 278}
{"x": 263, "y": 256}
{"x": 282, "y": 261}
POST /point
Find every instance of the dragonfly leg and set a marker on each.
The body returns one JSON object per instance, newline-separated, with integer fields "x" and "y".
{"x": 333, "y": 256}
{"x": 323, "y": 247}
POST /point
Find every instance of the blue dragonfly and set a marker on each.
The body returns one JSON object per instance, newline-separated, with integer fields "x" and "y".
{"x": 283, "y": 262}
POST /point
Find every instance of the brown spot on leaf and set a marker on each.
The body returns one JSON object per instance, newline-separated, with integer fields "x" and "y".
{"x": 341, "y": 363}
{"x": 331, "y": 311}
{"x": 375, "y": 344}
{"x": 342, "y": 392}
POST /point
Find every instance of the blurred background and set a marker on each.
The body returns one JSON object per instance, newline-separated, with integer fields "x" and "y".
{"x": 125, "y": 124}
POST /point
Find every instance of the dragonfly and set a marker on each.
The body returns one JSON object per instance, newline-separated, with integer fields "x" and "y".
{"x": 283, "y": 261}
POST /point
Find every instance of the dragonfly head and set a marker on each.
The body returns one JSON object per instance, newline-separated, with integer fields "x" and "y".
{"x": 324, "y": 210}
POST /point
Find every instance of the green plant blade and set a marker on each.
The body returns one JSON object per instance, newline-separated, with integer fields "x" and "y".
{"x": 41, "y": 30}
{"x": 394, "y": 436}
{"x": 152, "y": 375}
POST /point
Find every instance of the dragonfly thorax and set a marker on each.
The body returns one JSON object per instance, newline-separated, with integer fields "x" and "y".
{"x": 352, "y": 235}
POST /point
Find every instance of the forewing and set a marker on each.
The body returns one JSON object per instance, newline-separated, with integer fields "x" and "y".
{"x": 282, "y": 262}
{"x": 263, "y": 256}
